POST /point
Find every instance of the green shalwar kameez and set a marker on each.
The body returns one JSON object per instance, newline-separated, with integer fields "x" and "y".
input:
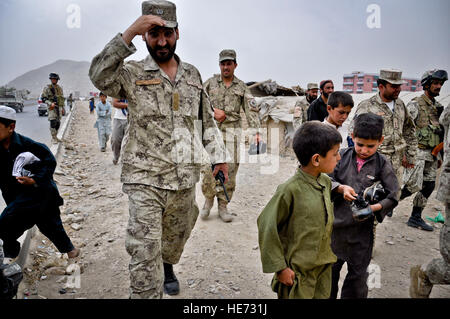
{"x": 295, "y": 231}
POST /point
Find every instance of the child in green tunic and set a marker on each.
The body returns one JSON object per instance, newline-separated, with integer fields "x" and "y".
{"x": 295, "y": 227}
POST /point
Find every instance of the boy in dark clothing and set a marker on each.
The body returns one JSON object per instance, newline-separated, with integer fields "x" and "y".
{"x": 361, "y": 166}
{"x": 295, "y": 226}
{"x": 31, "y": 195}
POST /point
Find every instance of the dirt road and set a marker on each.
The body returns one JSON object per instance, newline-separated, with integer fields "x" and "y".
{"x": 220, "y": 260}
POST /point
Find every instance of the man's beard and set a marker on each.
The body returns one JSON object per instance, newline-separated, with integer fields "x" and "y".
{"x": 434, "y": 93}
{"x": 311, "y": 98}
{"x": 325, "y": 94}
{"x": 165, "y": 57}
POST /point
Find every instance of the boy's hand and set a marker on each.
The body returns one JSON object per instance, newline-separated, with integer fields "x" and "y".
{"x": 24, "y": 180}
{"x": 286, "y": 277}
{"x": 348, "y": 192}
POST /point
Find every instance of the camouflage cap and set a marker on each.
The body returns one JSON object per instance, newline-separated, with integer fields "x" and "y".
{"x": 312, "y": 86}
{"x": 227, "y": 55}
{"x": 392, "y": 76}
{"x": 164, "y": 9}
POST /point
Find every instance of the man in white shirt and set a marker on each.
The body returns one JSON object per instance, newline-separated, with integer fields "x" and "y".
{"x": 119, "y": 127}
{"x": 339, "y": 106}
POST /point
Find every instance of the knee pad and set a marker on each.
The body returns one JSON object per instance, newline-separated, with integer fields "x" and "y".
{"x": 427, "y": 188}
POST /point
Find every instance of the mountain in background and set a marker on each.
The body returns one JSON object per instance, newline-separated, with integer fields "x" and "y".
{"x": 73, "y": 77}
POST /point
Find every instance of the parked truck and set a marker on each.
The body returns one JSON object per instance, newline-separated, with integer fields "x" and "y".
{"x": 12, "y": 98}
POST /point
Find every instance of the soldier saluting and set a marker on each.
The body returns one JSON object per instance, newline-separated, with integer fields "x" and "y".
{"x": 425, "y": 111}
{"x": 165, "y": 98}
{"x": 53, "y": 96}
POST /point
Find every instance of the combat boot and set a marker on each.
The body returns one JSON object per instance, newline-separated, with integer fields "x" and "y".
{"x": 416, "y": 220}
{"x": 171, "y": 283}
{"x": 204, "y": 212}
{"x": 55, "y": 140}
{"x": 223, "y": 213}
{"x": 420, "y": 286}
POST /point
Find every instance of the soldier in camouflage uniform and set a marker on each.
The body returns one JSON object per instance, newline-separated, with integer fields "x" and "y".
{"x": 53, "y": 96}
{"x": 170, "y": 120}
{"x": 228, "y": 96}
{"x": 301, "y": 107}
{"x": 400, "y": 142}
{"x": 425, "y": 111}
{"x": 437, "y": 271}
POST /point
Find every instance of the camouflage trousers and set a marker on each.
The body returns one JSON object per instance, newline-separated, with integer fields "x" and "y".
{"x": 159, "y": 225}
{"x": 396, "y": 162}
{"x": 54, "y": 127}
{"x": 424, "y": 170}
{"x": 212, "y": 188}
{"x": 438, "y": 270}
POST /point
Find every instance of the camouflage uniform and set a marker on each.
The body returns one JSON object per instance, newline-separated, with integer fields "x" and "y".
{"x": 438, "y": 270}
{"x": 399, "y": 131}
{"x": 425, "y": 114}
{"x": 49, "y": 95}
{"x": 231, "y": 100}
{"x": 304, "y": 105}
{"x": 162, "y": 154}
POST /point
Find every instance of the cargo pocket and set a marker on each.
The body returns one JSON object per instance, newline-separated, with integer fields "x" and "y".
{"x": 150, "y": 100}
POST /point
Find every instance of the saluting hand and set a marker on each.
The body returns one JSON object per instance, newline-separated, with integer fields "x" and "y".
{"x": 141, "y": 26}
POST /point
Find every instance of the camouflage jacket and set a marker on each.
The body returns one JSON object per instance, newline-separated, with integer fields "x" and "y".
{"x": 303, "y": 104}
{"x": 399, "y": 128}
{"x": 443, "y": 193}
{"x": 168, "y": 122}
{"x": 231, "y": 100}
{"x": 48, "y": 96}
{"x": 425, "y": 114}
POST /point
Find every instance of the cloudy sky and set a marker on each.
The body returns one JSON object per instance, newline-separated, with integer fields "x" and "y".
{"x": 290, "y": 41}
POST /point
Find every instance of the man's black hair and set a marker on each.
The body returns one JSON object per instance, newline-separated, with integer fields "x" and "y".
{"x": 368, "y": 126}
{"x": 101, "y": 93}
{"x": 6, "y": 122}
{"x": 382, "y": 82}
{"x": 314, "y": 138}
{"x": 340, "y": 98}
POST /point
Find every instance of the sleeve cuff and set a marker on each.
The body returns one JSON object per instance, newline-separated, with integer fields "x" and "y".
{"x": 121, "y": 48}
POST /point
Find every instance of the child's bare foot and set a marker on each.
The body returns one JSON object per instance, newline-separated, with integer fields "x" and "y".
{"x": 74, "y": 253}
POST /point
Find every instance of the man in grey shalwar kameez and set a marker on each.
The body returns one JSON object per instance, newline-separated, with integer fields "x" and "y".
{"x": 103, "y": 123}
